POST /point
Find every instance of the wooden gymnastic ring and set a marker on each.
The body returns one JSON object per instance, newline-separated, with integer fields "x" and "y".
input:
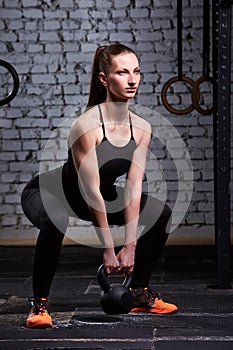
{"x": 15, "y": 77}
{"x": 196, "y": 92}
{"x": 164, "y": 95}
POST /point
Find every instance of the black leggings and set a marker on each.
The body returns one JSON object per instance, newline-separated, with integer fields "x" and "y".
{"x": 154, "y": 217}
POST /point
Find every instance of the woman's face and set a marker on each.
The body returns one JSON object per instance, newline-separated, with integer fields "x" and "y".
{"x": 123, "y": 78}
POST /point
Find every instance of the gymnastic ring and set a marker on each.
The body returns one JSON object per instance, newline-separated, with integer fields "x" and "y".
{"x": 164, "y": 95}
{"x": 15, "y": 77}
{"x": 195, "y": 98}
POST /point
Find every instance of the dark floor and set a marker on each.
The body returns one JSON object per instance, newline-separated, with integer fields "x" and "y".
{"x": 185, "y": 276}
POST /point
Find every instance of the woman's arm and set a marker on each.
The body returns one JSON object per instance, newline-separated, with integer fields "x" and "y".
{"x": 85, "y": 160}
{"x": 133, "y": 191}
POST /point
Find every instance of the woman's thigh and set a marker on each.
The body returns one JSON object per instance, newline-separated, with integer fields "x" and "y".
{"x": 151, "y": 210}
{"x": 43, "y": 208}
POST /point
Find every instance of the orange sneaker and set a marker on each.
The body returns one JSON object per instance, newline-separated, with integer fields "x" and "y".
{"x": 39, "y": 316}
{"x": 148, "y": 300}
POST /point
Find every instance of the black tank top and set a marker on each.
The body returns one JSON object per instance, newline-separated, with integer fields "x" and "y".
{"x": 113, "y": 162}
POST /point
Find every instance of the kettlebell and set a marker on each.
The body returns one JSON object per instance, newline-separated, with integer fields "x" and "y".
{"x": 114, "y": 299}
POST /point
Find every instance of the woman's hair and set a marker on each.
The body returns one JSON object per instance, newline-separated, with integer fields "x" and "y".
{"x": 101, "y": 63}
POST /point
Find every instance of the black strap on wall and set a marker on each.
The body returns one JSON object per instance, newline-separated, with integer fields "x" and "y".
{"x": 206, "y": 38}
{"x": 205, "y": 61}
{"x": 179, "y": 39}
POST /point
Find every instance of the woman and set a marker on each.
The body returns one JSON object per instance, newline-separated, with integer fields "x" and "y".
{"x": 107, "y": 141}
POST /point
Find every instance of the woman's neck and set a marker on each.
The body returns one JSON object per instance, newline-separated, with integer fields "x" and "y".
{"x": 116, "y": 111}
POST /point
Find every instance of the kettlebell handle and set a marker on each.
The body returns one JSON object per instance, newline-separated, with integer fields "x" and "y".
{"x": 127, "y": 280}
{"x": 103, "y": 281}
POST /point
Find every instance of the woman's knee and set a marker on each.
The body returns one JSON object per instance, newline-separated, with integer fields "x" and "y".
{"x": 166, "y": 218}
{"x": 58, "y": 219}
{"x": 163, "y": 219}
{"x": 166, "y": 213}
{"x": 54, "y": 213}
{"x": 156, "y": 213}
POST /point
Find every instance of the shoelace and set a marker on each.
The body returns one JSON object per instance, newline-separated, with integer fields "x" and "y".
{"x": 38, "y": 305}
{"x": 152, "y": 295}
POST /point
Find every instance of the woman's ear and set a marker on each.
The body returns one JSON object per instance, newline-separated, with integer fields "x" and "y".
{"x": 103, "y": 79}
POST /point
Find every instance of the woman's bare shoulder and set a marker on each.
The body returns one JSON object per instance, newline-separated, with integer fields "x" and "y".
{"x": 85, "y": 125}
{"x": 140, "y": 122}
{"x": 87, "y": 120}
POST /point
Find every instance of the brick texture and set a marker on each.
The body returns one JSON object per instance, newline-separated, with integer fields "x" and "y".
{"x": 51, "y": 45}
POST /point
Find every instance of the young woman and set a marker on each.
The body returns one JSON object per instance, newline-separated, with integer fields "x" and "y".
{"x": 107, "y": 141}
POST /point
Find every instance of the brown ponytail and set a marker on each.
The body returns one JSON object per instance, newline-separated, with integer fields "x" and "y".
{"x": 97, "y": 90}
{"x": 101, "y": 63}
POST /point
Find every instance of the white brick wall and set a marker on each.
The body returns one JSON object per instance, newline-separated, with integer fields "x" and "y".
{"x": 52, "y": 45}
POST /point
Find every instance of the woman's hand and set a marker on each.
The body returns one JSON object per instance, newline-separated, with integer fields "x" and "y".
{"x": 111, "y": 264}
{"x": 126, "y": 258}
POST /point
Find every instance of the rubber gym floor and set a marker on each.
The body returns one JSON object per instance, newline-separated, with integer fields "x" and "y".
{"x": 185, "y": 275}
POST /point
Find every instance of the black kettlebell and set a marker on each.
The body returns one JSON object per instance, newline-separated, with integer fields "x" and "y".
{"x": 114, "y": 299}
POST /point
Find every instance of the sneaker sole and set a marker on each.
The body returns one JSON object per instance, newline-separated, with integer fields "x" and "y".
{"x": 139, "y": 309}
{"x": 39, "y": 325}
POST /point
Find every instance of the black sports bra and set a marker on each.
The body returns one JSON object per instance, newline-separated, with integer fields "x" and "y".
{"x": 113, "y": 161}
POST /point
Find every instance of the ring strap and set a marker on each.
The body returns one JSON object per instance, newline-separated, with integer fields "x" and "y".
{"x": 206, "y": 38}
{"x": 179, "y": 39}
